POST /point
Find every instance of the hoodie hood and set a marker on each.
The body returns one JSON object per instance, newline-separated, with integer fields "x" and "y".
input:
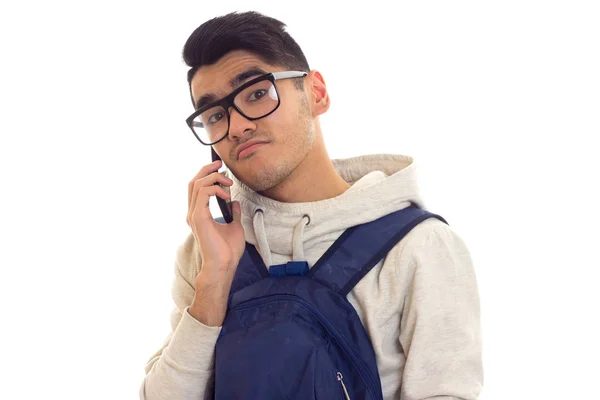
{"x": 281, "y": 232}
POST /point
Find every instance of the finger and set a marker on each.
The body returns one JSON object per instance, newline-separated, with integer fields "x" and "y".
{"x": 210, "y": 180}
{"x": 201, "y": 199}
{"x": 205, "y": 170}
{"x": 215, "y": 177}
{"x": 200, "y": 203}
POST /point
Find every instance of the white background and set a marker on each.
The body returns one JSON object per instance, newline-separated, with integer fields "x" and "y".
{"x": 498, "y": 102}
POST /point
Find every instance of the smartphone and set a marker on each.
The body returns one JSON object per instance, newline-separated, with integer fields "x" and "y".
{"x": 224, "y": 205}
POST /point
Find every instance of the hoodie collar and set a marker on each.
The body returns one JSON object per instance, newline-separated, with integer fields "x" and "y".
{"x": 380, "y": 184}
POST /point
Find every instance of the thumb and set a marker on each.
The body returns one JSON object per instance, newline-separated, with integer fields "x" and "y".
{"x": 237, "y": 211}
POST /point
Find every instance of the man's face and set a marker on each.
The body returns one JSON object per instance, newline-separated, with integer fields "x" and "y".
{"x": 288, "y": 132}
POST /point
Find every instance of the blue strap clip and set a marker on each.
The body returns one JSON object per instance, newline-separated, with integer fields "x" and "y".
{"x": 291, "y": 268}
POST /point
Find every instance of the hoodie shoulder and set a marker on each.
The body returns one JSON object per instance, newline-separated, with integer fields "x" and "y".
{"x": 431, "y": 243}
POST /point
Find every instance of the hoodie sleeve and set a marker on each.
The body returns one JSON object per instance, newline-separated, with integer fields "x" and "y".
{"x": 183, "y": 368}
{"x": 440, "y": 326}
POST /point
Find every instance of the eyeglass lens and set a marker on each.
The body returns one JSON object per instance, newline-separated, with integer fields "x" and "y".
{"x": 255, "y": 101}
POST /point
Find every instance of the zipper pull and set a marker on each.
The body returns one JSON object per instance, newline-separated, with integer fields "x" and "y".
{"x": 341, "y": 379}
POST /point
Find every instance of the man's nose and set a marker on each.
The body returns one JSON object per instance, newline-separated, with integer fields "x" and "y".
{"x": 239, "y": 126}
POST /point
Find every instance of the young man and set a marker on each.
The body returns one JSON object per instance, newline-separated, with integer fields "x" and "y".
{"x": 419, "y": 305}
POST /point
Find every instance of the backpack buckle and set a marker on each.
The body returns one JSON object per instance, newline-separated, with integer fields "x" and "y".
{"x": 291, "y": 268}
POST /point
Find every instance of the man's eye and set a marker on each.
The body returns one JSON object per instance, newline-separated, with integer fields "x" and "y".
{"x": 257, "y": 95}
{"x": 213, "y": 119}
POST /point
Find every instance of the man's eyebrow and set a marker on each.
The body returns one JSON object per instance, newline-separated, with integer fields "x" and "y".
{"x": 233, "y": 82}
{"x": 244, "y": 76}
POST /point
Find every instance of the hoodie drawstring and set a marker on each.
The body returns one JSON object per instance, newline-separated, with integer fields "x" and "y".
{"x": 297, "y": 239}
{"x": 258, "y": 223}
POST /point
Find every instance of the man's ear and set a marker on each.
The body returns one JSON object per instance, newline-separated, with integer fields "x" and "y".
{"x": 320, "y": 100}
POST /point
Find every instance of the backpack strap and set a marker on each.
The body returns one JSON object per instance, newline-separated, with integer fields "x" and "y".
{"x": 361, "y": 247}
{"x": 250, "y": 269}
{"x": 350, "y": 257}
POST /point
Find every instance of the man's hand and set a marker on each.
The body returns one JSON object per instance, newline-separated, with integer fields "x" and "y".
{"x": 221, "y": 245}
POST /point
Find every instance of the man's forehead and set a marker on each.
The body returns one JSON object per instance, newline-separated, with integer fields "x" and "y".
{"x": 204, "y": 81}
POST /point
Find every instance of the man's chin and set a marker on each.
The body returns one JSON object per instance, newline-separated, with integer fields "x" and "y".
{"x": 263, "y": 180}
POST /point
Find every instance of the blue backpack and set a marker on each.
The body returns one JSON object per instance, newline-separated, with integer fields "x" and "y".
{"x": 290, "y": 332}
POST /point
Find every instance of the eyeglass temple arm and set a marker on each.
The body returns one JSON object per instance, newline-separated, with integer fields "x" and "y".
{"x": 289, "y": 74}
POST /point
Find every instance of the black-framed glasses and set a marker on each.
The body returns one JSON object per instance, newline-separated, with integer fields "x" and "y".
{"x": 254, "y": 100}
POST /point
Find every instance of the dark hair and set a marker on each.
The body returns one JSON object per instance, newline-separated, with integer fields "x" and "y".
{"x": 251, "y": 31}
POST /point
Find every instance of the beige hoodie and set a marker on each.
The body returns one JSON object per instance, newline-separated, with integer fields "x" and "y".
{"x": 419, "y": 305}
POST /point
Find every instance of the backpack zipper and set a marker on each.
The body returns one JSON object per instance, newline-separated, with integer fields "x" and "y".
{"x": 358, "y": 363}
{"x": 341, "y": 379}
